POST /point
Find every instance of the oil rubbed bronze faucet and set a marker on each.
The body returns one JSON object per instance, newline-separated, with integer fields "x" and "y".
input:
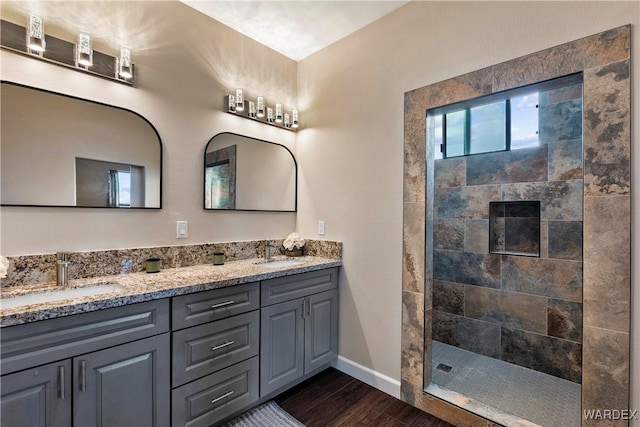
{"x": 62, "y": 268}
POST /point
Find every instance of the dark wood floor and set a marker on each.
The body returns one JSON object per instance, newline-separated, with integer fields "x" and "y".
{"x": 333, "y": 398}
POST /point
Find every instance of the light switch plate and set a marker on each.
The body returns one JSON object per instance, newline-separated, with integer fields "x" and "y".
{"x": 182, "y": 229}
{"x": 321, "y": 228}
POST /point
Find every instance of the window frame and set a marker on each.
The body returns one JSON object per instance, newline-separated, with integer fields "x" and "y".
{"x": 506, "y": 96}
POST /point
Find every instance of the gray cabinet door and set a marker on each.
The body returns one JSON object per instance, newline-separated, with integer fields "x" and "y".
{"x": 127, "y": 385}
{"x": 281, "y": 344}
{"x": 321, "y": 330}
{"x": 38, "y": 397}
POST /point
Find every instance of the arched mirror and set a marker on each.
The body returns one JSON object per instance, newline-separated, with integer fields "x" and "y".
{"x": 248, "y": 174}
{"x": 58, "y": 150}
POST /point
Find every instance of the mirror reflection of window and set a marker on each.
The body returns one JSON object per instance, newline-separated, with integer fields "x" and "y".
{"x": 220, "y": 178}
{"x": 217, "y": 185}
{"x": 109, "y": 184}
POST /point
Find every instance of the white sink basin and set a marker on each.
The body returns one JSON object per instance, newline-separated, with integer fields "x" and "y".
{"x": 69, "y": 293}
{"x": 281, "y": 263}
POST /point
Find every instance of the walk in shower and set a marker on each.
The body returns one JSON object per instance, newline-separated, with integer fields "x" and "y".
{"x": 506, "y": 247}
{"x": 516, "y": 246}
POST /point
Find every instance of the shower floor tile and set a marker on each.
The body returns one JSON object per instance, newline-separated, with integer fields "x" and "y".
{"x": 501, "y": 387}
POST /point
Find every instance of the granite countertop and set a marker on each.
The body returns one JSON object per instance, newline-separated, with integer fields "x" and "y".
{"x": 139, "y": 287}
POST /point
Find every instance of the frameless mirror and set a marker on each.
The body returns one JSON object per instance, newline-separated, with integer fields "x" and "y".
{"x": 242, "y": 173}
{"x": 58, "y": 150}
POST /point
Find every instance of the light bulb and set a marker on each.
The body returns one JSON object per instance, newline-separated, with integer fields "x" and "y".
{"x": 239, "y": 100}
{"x": 260, "y": 107}
{"x": 84, "y": 51}
{"x": 125, "y": 69}
{"x": 35, "y": 34}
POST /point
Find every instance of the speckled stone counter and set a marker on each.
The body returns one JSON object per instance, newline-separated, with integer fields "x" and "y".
{"x": 140, "y": 287}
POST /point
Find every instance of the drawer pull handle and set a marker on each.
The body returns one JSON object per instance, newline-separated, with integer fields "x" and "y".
{"x": 227, "y": 394}
{"x": 222, "y": 304}
{"x": 61, "y": 391}
{"x": 83, "y": 375}
{"x": 218, "y": 347}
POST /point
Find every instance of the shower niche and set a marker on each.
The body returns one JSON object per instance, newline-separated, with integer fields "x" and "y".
{"x": 514, "y": 228}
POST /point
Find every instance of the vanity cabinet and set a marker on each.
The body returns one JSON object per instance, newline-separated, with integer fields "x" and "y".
{"x": 38, "y": 397}
{"x": 215, "y": 359}
{"x": 299, "y": 327}
{"x": 109, "y": 367}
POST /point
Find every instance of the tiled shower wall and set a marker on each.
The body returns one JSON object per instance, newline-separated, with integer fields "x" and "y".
{"x": 520, "y": 309}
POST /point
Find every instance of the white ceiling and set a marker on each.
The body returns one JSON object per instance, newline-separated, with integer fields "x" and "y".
{"x": 295, "y": 28}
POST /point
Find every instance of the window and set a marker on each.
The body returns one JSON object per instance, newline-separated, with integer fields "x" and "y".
{"x": 485, "y": 127}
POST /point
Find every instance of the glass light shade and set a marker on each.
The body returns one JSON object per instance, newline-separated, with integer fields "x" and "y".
{"x": 260, "y": 107}
{"x": 125, "y": 70}
{"x": 287, "y": 120}
{"x": 278, "y": 113}
{"x": 231, "y": 106}
{"x": 270, "y": 117}
{"x": 294, "y": 119}
{"x": 239, "y": 100}
{"x": 252, "y": 109}
{"x": 83, "y": 50}
{"x": 35, "y": 34}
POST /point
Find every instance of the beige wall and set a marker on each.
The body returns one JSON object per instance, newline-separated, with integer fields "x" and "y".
{"x": 185, "y": 63}
{"x": 350, "y": 154}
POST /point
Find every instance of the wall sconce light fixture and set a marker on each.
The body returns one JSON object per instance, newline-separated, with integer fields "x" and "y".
{"x": 258, "y": 111}
{"x": 31, "y": 40}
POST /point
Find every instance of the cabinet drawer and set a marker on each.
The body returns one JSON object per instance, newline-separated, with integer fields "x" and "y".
{"x": 201, "y": 307}
{"x": 38, "y": 343}
{"x": 299, "y": 285}
{"x": 204, "y": 349}
{"x": 210, "y": 399}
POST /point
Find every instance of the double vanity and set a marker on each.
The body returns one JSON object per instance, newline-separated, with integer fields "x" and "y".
{"x": 189, "y": 346}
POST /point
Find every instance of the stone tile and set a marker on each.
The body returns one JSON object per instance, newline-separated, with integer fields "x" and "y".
{"x": 568, "y": 58}
{"x": 448, "y": 297}
{"x": 607, "y": 129}
{"x": 564, "y": 320}
{"x": 469, "y": 334}
{"x": 561, "y": 121}
{"x": 551, "y": 278}
{"x": 470, "y": 85}
{"x": 449, "y": 234}
{"x": 465, "y": 202}
{"x": 468, "y": 268}
{"x": 498, "y": 229}
{"x": 414, "y": 158}
{"x": 450, "y": 172}
{"x": 522, "y": 236}
{"x": 544, "y": 239}
{"x": 476, "y": 236}
{"x": 428, "y": 336}
{"x": 525, "y": 165}
{"x": 565, "y": 240}
{"x": 412, "y": 336}
{"x": 605, "y": 382}
{"x": 515, "y": 310}
{"x": 559, "y": 200}
{"x": 565, "y": 93}
{"x": 607, "y": 262}
{"x": 550, "y": 355}
{"x": 413, "y": 242}
{"x": 565, "y": 160}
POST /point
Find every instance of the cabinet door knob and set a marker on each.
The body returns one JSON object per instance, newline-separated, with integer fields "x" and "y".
{"x": 61, "y": 390}
{"x": 227, "y": 394}
{"x": 222, "y": 304}
{"x": 302, "y": 308}
{"x": 226, "y": 344}
{"x": 308, "y": 307}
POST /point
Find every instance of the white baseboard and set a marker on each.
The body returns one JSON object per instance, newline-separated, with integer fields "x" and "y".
{"x": 369, "y": 376}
